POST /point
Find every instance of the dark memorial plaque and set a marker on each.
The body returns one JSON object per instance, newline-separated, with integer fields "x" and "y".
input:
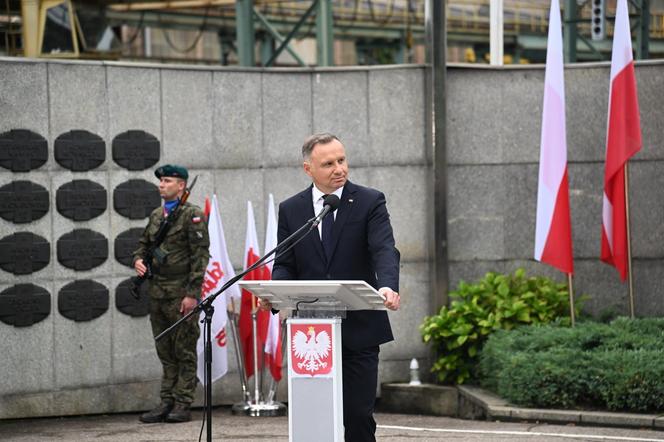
{"x": 125, "y": 244}
{"x": 135, "y": 199}
{"x": 79, "y": 150}
{"x": 23, "y": 253}
{"x": 22, "y": 150}
{"x": 81, "y": 200}
{"x": 83, "y": 300}
{"x": 24, "y": 304}
{"x": 135, "y": 150}
{"x": 127, "y": 304}
{"x": 82, "y": 249}
{"x": 23, "y": 202}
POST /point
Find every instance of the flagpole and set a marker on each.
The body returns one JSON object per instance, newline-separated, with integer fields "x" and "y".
{"x": 629, "y": 245}
{"x": 238, "y": 351}
{"x": 570, "y": 289}
{"x": 272, "y": 391}
{"x": 254, "y": 330}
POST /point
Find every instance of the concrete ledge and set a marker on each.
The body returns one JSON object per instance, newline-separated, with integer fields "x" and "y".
{"x": 618, "y": 419}
{"x": 478, "y": 403}
{"x": 112, "y": 398}
{"x": 546, "y": 415}
{"x": 659, "y": 422}
{"x": 429, "y": 399}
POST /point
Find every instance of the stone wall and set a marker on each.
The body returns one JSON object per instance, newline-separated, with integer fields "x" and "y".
{"x": 86, "y": 347}
{"x": 240, "y": 131}
{"x": 493, "y": 135}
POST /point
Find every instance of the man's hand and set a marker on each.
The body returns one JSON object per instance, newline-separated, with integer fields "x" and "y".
{"x": 391, "y": 299}
{"x": 139, "y": 266}
{"x": 188, "y": 303}
{"x": 264, "y": 304}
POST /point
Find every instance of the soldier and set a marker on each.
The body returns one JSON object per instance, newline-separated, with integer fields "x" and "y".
{"x": 178, "y": 267}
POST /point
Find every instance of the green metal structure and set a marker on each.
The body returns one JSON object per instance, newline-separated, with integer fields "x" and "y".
{"x": 244, "y": 21}
{"x": 639, "y": 17}
{"x": 324, "y": 33}
{"x": 252, "y": 32}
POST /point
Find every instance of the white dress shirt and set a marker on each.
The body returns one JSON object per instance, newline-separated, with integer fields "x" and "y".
{"x": 317, "y": 197}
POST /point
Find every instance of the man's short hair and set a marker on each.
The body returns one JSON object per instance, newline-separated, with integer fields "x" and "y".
{"x": 322, "y": 138}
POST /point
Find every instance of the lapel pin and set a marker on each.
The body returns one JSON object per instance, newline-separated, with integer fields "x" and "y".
{"x": 350, "y": 200}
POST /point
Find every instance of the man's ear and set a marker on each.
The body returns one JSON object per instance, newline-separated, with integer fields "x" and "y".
{"x": 307, "y": 168}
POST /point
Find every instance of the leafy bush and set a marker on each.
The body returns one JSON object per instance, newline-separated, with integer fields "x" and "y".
{"x": 495, "y": 302}
{"x": 616, "y": 366}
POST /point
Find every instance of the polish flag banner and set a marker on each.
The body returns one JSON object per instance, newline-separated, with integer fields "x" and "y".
{"x": 553, "y": 232}
{"x": 219, "y": 271}
{"x": 623, "y": 140}
{"x": 273, "y": 353}
{"x": 249, "y": 302}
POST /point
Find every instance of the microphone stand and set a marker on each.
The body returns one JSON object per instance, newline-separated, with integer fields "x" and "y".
{"x": 206, "y": 306}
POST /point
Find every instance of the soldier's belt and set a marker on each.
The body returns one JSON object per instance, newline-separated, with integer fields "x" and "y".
{"x": 172, "y": 270}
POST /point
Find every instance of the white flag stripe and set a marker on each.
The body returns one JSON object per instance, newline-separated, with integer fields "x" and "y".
{"x": 607, "y": 220}
{"x": 621, "y": 56}
{"x": 271, "y": 230}
{"x": 219, "y": 271}
{"x": 553, "y": 144}
{"x": 621, "y": 53}
{"x": 251, "y": 240}
{"x": 273, "y": 330}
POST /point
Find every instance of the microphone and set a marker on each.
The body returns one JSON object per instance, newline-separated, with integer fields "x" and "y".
{"x": 330, "y": 204}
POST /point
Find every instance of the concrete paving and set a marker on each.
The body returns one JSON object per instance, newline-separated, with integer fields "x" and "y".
{"x": 391, "y": 427}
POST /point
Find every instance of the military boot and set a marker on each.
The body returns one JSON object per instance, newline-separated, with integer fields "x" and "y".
{"x": 158, "y": 414}
{"x": 179, "y": 413}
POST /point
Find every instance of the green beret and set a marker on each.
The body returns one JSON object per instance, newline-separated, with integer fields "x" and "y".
{"x": 172, "y": 170}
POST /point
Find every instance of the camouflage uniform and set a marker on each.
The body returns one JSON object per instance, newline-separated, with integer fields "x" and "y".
{"x": 180, "y": 273}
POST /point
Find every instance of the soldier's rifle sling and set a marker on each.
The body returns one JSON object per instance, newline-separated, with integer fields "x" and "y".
{"x": 164, "y": 227}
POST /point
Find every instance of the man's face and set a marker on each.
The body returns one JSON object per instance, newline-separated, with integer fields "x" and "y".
{"x": 327, "y": 166}
{"x": 170, "y": 188}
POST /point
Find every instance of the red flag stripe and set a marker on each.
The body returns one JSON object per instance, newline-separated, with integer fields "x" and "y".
{"x": 623, "y": 141}
{"x": 558, "y": 248}
{"x": 624, "y": 131}
{"x": 615, "y": 252}
{"x": 245, "y": 323}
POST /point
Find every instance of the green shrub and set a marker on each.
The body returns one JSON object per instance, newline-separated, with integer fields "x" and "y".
{"x": 496, "y": 302}
{"x": 616, "y": 366}
{"x": 546, "y": 383}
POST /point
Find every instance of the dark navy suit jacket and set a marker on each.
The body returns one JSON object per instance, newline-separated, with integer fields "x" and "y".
{"x": 363, "y": 250}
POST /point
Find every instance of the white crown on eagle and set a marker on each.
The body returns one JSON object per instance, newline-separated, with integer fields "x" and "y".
{"x": 311, "y": 348}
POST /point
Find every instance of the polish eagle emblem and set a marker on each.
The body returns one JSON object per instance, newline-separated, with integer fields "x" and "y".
{"x": 311, "y": 349}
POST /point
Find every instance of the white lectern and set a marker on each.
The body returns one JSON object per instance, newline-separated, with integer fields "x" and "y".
{"x": 315, "y": 393}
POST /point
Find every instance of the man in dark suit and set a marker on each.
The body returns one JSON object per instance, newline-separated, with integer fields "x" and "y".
{"x": 353, "y": 243}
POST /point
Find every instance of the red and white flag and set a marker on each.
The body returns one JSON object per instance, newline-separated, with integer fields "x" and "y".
{"x": 623, "y": 140}
{"x": 218, "y": 272}
{"x": 553, "y": 232}
{"x": 249, "y": 302}
{"x": 273, "y": 352}
{"x": 207, "y": 209}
